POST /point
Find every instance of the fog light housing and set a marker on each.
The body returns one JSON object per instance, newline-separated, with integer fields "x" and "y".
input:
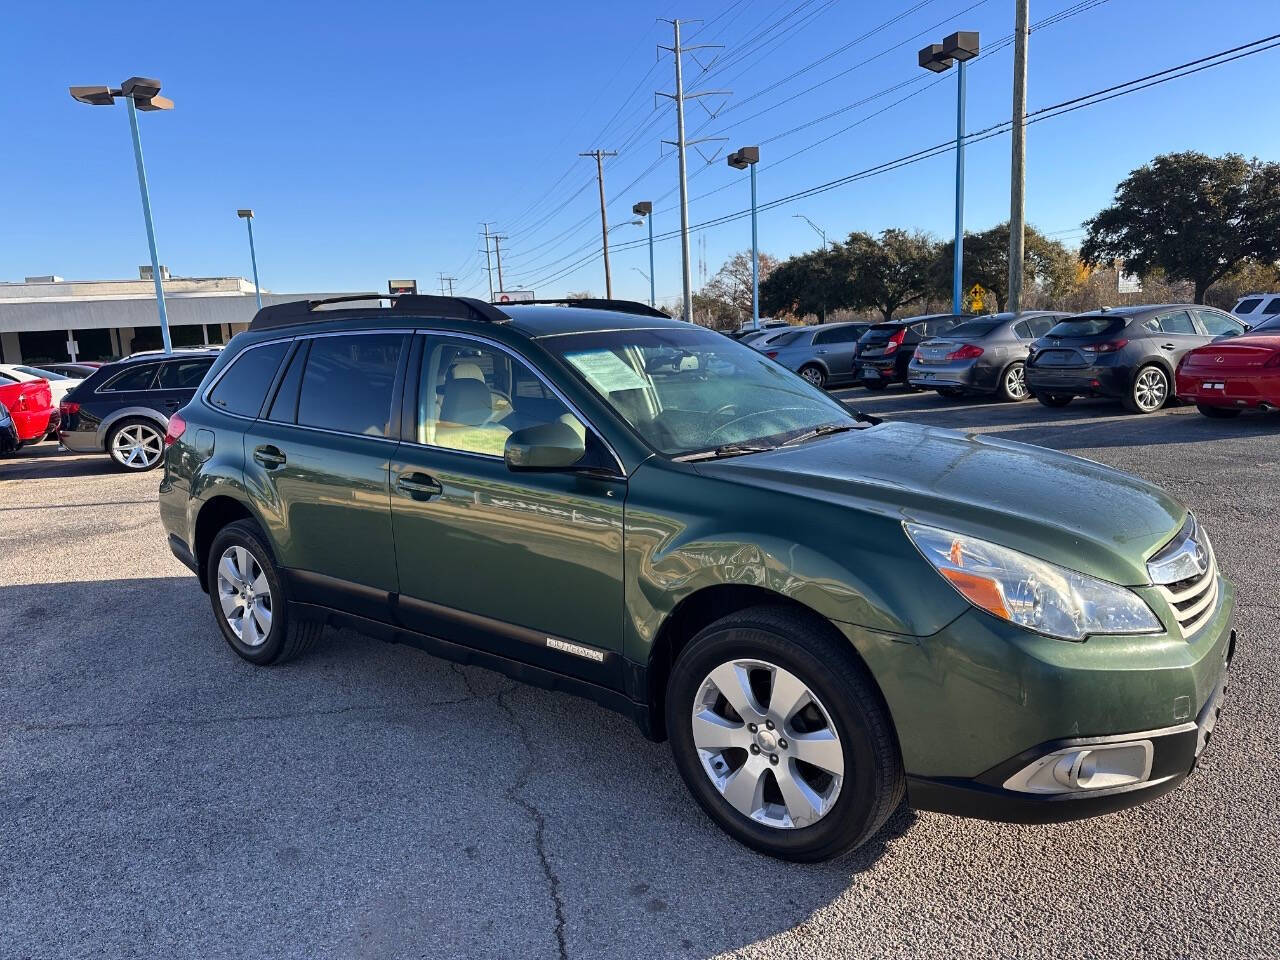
{"x": 1086, "y": 768}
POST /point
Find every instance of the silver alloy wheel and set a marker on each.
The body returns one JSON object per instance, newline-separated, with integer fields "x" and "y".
{"x": 813, "y": 375}
{"x": 137, "y": 446}
{"x": 1151, "y": 388}
{"x": 780, "y": 763}
{"x": 245, "y": 596}
{"x": 1015, "y": 382}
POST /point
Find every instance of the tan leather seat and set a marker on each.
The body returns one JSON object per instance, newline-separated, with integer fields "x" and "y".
{"x": 466, "y": 409}
{"x": 466, "y": 370}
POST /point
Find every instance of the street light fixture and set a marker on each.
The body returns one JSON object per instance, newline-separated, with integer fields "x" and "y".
{"x": 822, "y": 233}
{"x": 746, "y": 159}
{"x": 139, "y": 93}
{"x": 959, "y": 48}
{"x": 247, "y": 217}
{"x": 645, "y": 209}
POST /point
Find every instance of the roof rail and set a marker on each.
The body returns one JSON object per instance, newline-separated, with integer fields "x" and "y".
{"x": 598, "y": 303}
{"x": 306, "y": 311}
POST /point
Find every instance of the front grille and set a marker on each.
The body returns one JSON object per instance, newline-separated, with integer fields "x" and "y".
{"x": 1194, "y": 599}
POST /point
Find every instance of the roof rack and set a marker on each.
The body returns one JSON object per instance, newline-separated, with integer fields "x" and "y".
{"x": 305, "y": 311}
{"x": 598, "y": 303}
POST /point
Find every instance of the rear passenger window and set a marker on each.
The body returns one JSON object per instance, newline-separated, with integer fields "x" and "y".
{"x": 1179, "y": 322}
{"x": 1247, "y": 306}
{"x": 243, "y": 387}
{"x": 348, "y": 383}
{"x": 136, "y": 378}
{"x": 1022, "y": 330}
{"x": 284, "y": 408}
{"x": 183, "y": 374}
{"x": 1272, "y": 308}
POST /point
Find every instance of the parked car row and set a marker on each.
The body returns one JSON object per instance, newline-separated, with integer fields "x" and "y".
{"x": 1137, "y": 355}
{"x": 29, "y": 406}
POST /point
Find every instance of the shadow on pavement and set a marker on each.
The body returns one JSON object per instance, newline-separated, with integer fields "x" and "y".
{"x": 165, "y": 797}
{"x": 46, "y": 460}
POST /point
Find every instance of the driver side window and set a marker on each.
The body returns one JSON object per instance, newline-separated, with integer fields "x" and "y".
{"x": 472, "y": 397}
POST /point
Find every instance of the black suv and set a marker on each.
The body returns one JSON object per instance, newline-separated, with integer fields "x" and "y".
{"x": 885, "y": 350}
{"x": 1129, "y": 353}
{"x": 124, "y": 407}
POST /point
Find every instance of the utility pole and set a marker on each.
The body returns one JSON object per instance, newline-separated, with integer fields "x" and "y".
{"x": 681, "y": 145}
{"x": 443, "y": 281}
{"x": 599, "y": 156}
{"x": 497, "y": 253}
{"x": 1018, "y": 170}
{"x": 488, "y": 263}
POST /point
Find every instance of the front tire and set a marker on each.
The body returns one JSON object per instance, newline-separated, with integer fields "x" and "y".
{"x": 136, "y": 445}
{"x": 1218, "y": 413}
{"x": 249, "y": 598}
{"x": 782, "y": 736}
{"x": 1013, "y": 383}
{"x": 815, "y": 375}
{"x": 1149, "y": 390}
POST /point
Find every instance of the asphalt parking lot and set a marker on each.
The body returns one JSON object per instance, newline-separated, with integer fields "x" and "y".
{"x": 160, "y": 797}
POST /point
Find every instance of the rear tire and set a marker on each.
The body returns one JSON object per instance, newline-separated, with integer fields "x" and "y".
{"x": 841, "y": 722}
{"x": 136, "y": 444}
{"x": 1149, "y": 390}
{"x": 1054, "y": 399}
{"x": 815, "y": 375}
{"x": 249, "y": 599}
{"x": 1218, "y": 413}
{"x": 1013, "y": 383}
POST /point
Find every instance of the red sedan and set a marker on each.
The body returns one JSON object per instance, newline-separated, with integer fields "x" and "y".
{"x": 1223, "y": 378}
{"x": 30, "y": 403}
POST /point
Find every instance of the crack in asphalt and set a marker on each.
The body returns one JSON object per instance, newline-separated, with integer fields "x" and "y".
{"x": 539, "y": 821}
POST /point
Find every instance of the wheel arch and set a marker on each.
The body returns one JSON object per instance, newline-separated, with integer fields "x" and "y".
{"x": 116, "y": 417}
{"x": 214, "y": 514}
{"x": 814, "y": 362}
{"x": 701, "y": 609}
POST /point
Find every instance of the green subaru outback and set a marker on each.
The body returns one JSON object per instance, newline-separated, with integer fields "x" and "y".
{"x": 821, "y": 611}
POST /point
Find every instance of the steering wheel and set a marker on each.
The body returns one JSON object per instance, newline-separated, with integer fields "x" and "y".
{"x": 748, "y": 416}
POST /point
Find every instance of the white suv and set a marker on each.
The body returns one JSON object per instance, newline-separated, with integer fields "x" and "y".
{"x": 1254, "y": 308}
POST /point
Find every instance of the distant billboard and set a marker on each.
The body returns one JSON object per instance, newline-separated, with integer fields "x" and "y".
{"x": 512, "y": 296}
{"x": 402, "y": 288}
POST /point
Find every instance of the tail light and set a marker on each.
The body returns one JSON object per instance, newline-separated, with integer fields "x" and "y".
{"x": 771, "y": 354}
{"x": 1110, "y": 346}
{"x": 969, "y": 351}
{"x": 177, "y": 427}
{"x": 895, "y": 340}
{"x": 68, "y": 407}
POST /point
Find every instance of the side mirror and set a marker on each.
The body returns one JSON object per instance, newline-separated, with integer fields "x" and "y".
{"x": 546, "y": 447}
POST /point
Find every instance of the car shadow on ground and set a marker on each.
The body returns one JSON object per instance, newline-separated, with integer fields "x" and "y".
{"x": 47, "y": 460}
{"x": 370, "y": 795}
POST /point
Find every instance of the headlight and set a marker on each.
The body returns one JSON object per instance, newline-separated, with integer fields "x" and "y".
{"x": 1040, "y": 596}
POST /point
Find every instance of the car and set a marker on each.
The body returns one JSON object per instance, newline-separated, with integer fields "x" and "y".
{"x": 1229, "y": 376}
{"x": 80, "y": 370}
{"x": 59, "y": 384}
{"x": 885, "y": 349}
{"x": 749, "y": 328}
{"x": 823, "y": 355}
{"x": 1127, "y": 352}
{"x": 822, "y": 612}
{"x": 1256, "y": 308}
{"x": 30, "y": 404}
{"x": 764, "y": 333}
{"x": 9, "y": 441}
{"x": 982, "y": 355}
{"x": 123, "y": 409}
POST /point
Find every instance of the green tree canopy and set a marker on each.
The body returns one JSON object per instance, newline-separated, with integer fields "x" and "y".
{"x": 801, "y": 285}
{"x": 986, "y": 262}
{"x": 884, "y": 273}
{"x": 1192, "y": 216}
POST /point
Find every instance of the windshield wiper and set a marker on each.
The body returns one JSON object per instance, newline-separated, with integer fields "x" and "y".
{"x": 725, "y": 450}
{"x": 822, "y": 430}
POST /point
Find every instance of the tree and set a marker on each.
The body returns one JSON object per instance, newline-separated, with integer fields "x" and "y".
{"x": 800, "y": 285}
{"x": 1192, "y": 216}
{"x": 732, "y": 283}
{"x": 885, "y": 273}
{"x": 1046, "y": 263}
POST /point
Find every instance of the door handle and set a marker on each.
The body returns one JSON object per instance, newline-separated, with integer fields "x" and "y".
{"x": 419, "y": 486}
{"x": 1168, "y": 346}
{"x": 269, "y": 456}
{"x": 171, "y": 404}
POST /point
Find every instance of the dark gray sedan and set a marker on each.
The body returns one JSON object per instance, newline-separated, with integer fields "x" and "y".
{"x": 823, "y": 354}
{"x": 983, "y": 355}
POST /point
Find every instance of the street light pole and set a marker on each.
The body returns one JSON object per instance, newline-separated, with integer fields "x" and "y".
{"x": 645, "y": 209}
{"x": 822, "y": 233}
{"x": 958, "y": 48}
{"x": 749, "y": 157}
{"x": 140, "y": 93}
{"x": 247, "y": 216}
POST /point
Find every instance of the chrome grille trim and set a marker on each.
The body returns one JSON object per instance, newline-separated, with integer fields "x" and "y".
{"x": 1195, "y": 600}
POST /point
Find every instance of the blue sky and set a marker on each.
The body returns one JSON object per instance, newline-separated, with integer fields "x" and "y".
{"x": 373, "y": 138}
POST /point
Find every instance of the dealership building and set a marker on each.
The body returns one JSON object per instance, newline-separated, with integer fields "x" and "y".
{"x": 49, "y": 319}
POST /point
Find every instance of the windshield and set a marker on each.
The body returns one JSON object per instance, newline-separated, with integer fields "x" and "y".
{"x": 782, "y": 339}
{"x": 690, "y": 390}
{"x": 972, "y": 328}
{"x": 37, "y": 372}
{"x": 1085, "y": 326}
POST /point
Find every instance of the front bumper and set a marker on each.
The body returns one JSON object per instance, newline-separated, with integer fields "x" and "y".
{"x": 1176, "y": 751}
{"x": 1095, "y": 381}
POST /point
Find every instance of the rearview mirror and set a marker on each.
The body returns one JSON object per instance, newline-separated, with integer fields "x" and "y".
{"x": 547, "y": 447}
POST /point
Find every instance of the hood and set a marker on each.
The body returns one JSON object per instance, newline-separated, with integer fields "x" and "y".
{"x": 1063, "y": 509}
